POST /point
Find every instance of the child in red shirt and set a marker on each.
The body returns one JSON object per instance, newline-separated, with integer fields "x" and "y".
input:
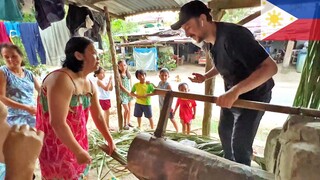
{"x": 187, "y": 110}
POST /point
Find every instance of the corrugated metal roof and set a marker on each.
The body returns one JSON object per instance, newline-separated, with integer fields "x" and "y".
{"x": 123, "y": 8}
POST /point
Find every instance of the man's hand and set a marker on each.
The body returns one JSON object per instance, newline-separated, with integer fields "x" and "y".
{"x": 21, "y": 150}
{"x": 227, "y": 99}
{"x": 198, "y": 78}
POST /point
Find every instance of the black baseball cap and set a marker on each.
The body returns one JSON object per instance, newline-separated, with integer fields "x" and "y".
{"x": 190, "y": 10}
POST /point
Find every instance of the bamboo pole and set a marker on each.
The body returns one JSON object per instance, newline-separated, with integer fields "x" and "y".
{"x": 246, "y": 104}
{"x": 115, "y": 68}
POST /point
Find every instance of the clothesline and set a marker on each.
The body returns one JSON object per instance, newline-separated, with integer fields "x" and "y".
{"x": 47, "y": 38}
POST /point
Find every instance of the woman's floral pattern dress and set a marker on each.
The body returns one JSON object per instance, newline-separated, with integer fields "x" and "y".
{"x": 56, "y": 159}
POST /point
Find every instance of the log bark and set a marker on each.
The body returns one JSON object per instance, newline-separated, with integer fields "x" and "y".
{"x": 115, "y": 68}
{"x": 209, "y": 89}
{"x": 158, "y": 158}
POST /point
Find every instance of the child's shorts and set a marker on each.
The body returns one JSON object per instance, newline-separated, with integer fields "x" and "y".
{"x": 140, "y": 109}
{"x": 105, "y": 104}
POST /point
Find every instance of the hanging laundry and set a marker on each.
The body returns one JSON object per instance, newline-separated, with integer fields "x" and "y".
{"x": 49, "y": 11}
{"x": 32, "y": 43}
{"x": 100, "y": 21}
{"x": 97, "y": 29}
{"x": 3, "y": 34}
{"x": 12, "y": 28}
{"x": 54, "y": 39}
{"x": 9, "y": 10}
{"x": 76, "y": 18}
{"x": 88, "y": 25}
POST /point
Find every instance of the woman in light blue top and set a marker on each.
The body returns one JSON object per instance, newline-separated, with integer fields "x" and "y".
{"x": 17, "y": 87}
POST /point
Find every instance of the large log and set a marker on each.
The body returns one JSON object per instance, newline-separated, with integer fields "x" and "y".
{"x": 163, "y": 159}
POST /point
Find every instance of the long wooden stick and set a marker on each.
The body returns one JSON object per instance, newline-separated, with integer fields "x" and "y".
{"x": 246, "y": 104}
{"x": 115, "y": 68}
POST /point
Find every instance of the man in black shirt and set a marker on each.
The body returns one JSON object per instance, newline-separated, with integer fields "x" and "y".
{"x": 246, "y": 69}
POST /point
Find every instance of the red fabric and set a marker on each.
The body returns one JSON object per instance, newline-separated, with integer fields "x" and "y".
{"x": 105, "y": 104}
{"x": 57, "y": 161}
{"x": 186, "y": 109}
{"x": 3, "y": 34}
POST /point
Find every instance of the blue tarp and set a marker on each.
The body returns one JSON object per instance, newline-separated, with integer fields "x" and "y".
{"x": 146, "y": 58}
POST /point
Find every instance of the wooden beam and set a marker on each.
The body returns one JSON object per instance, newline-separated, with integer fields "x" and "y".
{"x": 249, "y": 18}
{"x": 97, "y": 1}
{"x": 246, "y": 104}
{"x": 233, "y": 4}
{"x": 217, "y": 14}
{"x": 115, "y": 68}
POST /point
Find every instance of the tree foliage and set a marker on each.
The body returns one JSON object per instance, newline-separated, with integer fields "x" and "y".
{"x": 308, "y": 93}
{"x": 120, "y": 27}
{"x": 236, "y": 15}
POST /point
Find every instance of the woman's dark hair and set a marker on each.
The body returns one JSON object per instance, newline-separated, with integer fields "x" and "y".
{"x": 140, "y": 71}
{"x": 97, "y": 71}
{"x": 14, "y": 47}
{"x": 127, "y": 72}
{"x": 75, "y": 44}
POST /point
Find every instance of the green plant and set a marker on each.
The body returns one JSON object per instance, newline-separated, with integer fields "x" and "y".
{"x": 165, "y": 60}
{"x": 308, "y": 93}
{"x": 105, "y": 165}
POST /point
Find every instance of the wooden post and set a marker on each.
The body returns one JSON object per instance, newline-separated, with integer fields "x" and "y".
{"x": 178, "y": 62}
{"x": 115, "y": 68}
{"x": 287, "y": 55}
{"x": 164, "y": 115}
{"x": 209, "y": 88}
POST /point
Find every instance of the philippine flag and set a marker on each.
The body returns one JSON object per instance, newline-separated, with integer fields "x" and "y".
{"x": 290, "y": 20}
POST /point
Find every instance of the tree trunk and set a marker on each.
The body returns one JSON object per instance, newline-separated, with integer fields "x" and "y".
{"x": 115, "y": 68}
{"x": 209, "y": 89}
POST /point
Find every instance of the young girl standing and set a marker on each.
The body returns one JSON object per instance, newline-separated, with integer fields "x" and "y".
{"x": 187, "y": 109}
{"x": 104, "y": 89}
{"x": 125, "y": 89}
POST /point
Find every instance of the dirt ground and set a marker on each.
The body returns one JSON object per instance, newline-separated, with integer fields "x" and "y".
{"x": 286, "y": 83}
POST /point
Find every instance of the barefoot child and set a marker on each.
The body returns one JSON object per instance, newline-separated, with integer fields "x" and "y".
{"x": 104, "y": 89}
{"x": 125, "y": 89}
{"x": 164, "y": 84}
{"x": 187, "y": 110}
{"x": 143, "y": 103}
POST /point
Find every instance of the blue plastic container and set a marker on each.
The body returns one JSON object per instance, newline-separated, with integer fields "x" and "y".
{"x": 300, "y": 60}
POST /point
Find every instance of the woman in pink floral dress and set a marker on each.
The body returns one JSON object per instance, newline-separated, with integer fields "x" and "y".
{"x": 63, "y": 106}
